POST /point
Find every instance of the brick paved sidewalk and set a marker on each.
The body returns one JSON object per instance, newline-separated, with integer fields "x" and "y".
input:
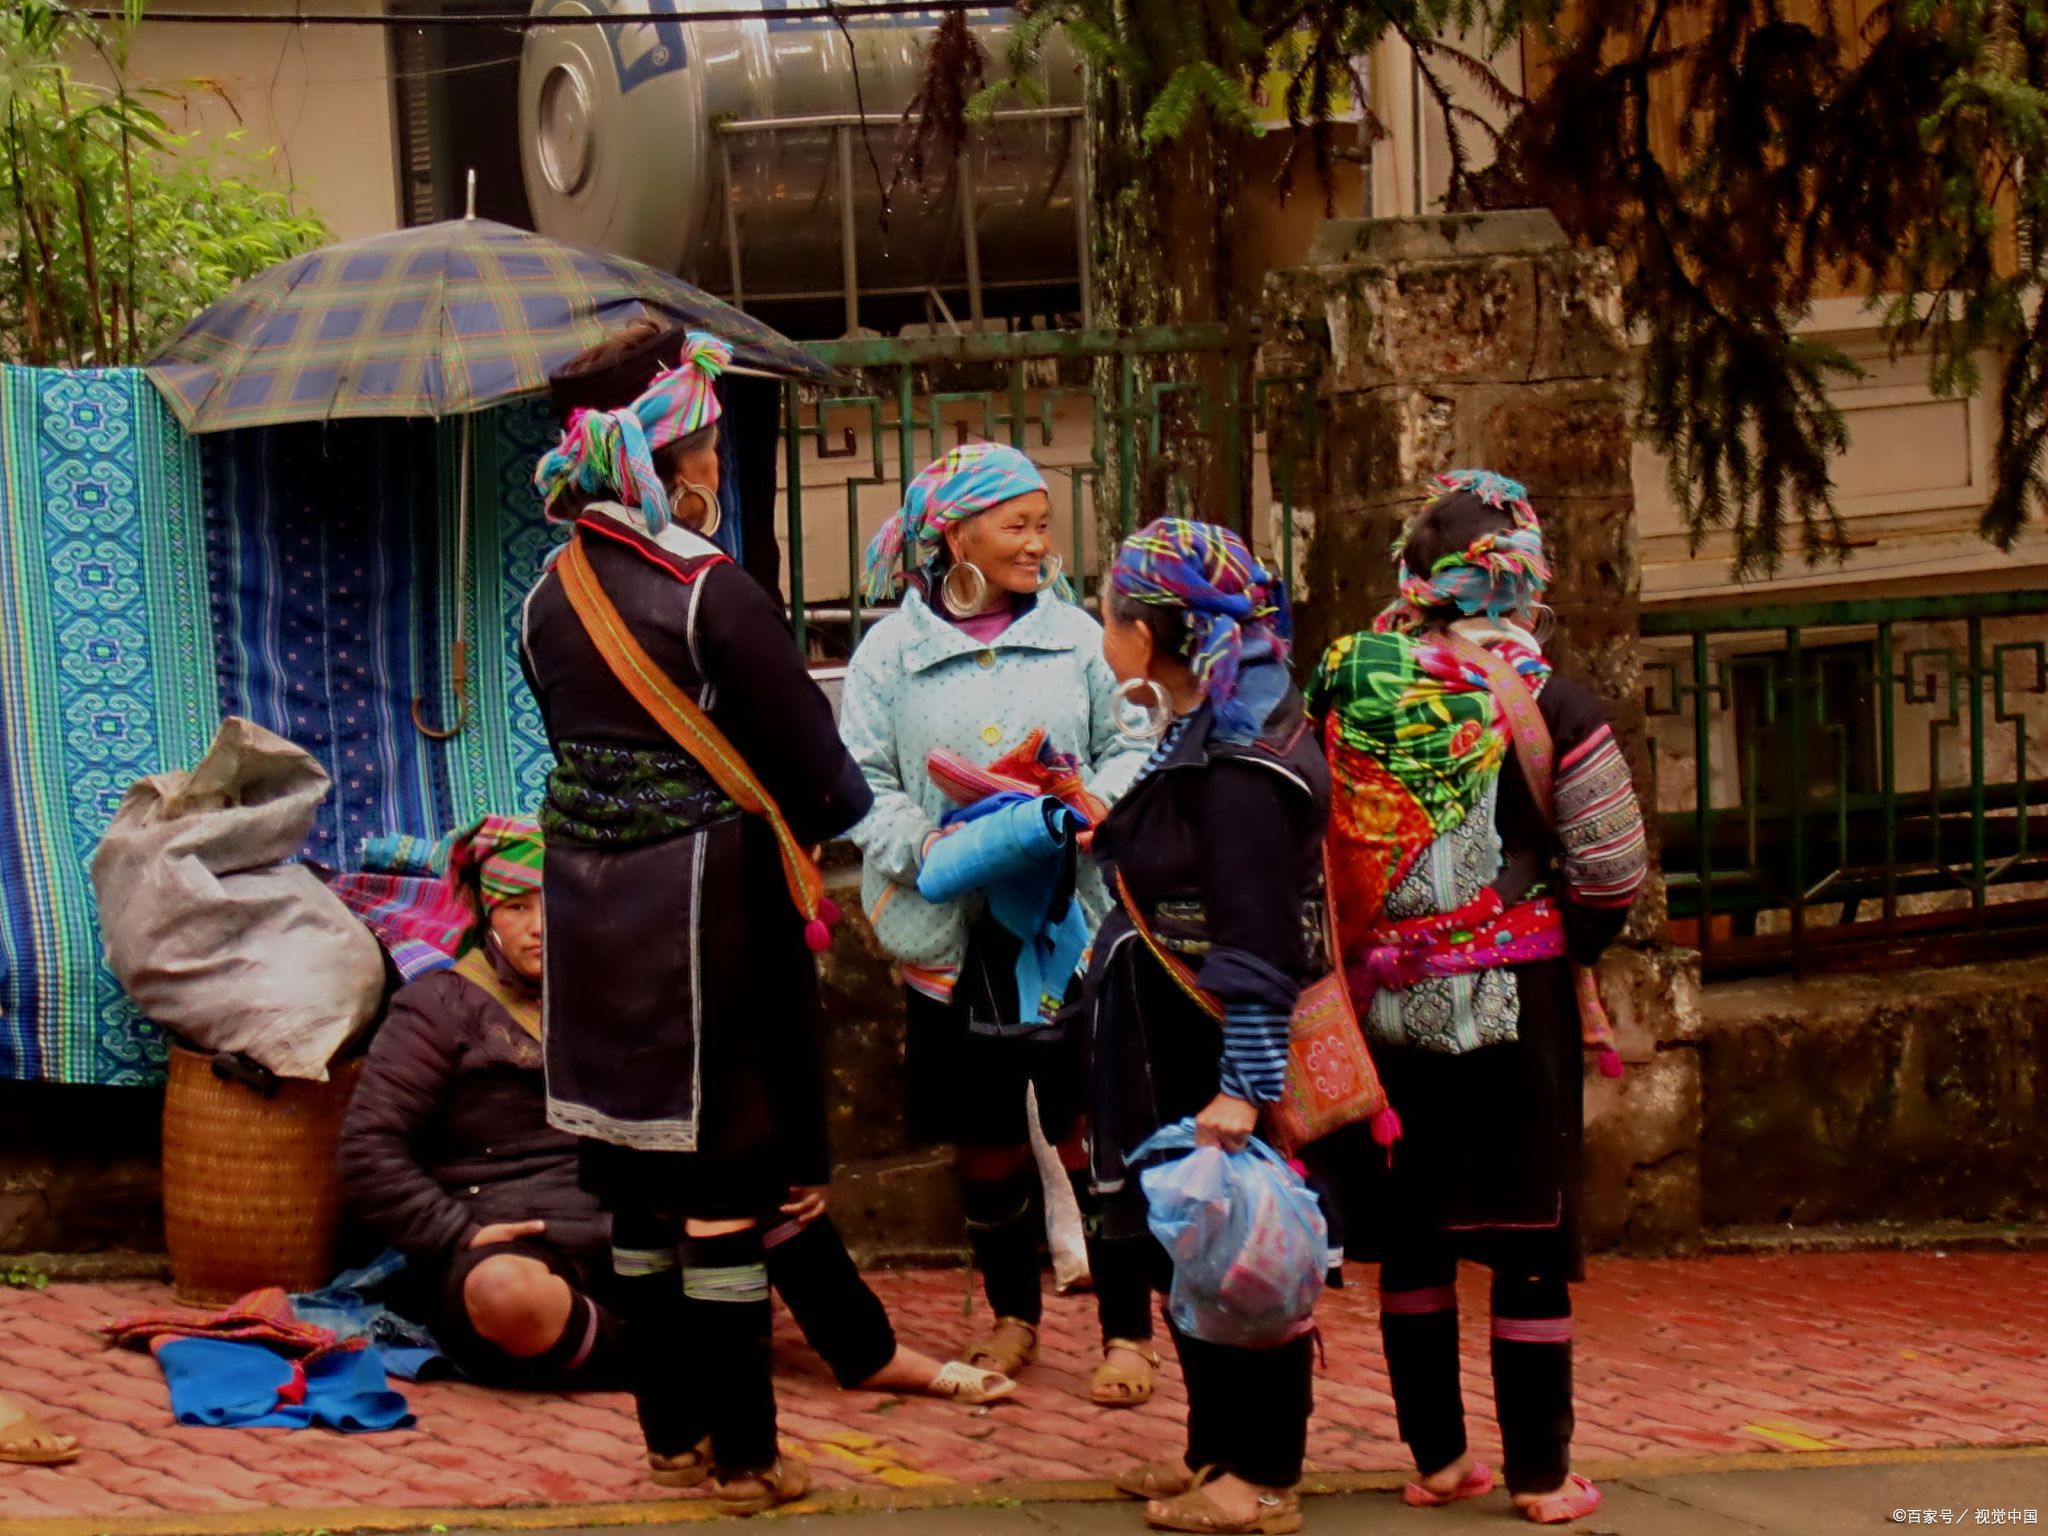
{"x": 1676, "y": 1358}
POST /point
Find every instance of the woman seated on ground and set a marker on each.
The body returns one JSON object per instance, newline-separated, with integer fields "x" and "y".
{"x": 447, "y": 1154}
{"x": 27, "y": 1441}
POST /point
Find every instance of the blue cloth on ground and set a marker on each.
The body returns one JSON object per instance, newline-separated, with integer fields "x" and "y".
{"x": 347, "y": 1307}
{"x": 218, "y": 1383}
{"x": 1019, "y": 851}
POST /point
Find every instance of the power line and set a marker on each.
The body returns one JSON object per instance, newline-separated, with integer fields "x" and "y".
{"x": 521, "y": 21}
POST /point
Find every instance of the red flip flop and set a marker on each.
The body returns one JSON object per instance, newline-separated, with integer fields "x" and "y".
{"x": 1477, "y": 1484}
{"x": 1577, "y": 1499}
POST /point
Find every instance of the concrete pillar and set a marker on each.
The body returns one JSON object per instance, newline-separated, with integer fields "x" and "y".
{"x": 1486, "y": 341}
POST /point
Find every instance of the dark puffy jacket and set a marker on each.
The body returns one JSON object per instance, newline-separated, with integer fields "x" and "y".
{"x": 448, "y": 1129}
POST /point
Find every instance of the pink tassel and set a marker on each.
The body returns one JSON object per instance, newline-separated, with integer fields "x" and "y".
{"x": 1611, "y": 1064}
{"x": 828, "y": 912}
{"x": 1386, "y": 1130}
{"x": 818, "y": 935}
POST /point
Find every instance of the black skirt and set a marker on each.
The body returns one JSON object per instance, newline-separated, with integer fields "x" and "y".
{"x": 967, "y": 1086}
{"x": 1491, "y": 1144}
{"x": 684, "y": 1024}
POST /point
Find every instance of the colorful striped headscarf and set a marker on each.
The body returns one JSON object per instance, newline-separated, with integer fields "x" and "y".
{"x": 1231, "y": 601}
{"x": 967, "y": 482}
{"x": 495, "y": 861}
{"x": 1496, "y": 575}
{"x": 611, "y": 453}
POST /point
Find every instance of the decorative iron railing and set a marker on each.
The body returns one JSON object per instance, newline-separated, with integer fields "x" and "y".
{"x": 1852, "y": 784}
{"x": 1125, "y": 425}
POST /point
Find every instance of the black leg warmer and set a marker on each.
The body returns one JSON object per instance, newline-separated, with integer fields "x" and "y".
{"x": 727, "y": 1321}
{"x": 1005, "y": 1231}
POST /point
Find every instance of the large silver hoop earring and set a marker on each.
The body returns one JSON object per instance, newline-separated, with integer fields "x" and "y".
{"x": 965, "y": 588}
{"x": 714, "y": 514}
{"x": 1143, "y": 711}
{"x": 1542, "y": 623}
{"x": 1050, "y": 570}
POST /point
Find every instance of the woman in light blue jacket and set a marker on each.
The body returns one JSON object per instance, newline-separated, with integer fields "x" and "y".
{"x": 989, "y": 663}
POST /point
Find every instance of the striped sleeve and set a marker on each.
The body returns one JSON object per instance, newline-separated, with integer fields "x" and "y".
{"x": 1254, "y": 1054}
{"x": 1600, "y": 824}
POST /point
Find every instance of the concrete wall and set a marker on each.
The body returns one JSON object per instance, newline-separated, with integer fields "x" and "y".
{"x": 320, "y": 96}
{"x": 1908, "y": 1096}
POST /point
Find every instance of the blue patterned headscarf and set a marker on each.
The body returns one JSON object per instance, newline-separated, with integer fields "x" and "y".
{"x": 967, "y": 482}
{"x": 1496, "y": 574}
{"x": 1235, "y": 607}
{"x": 611, "y": 453}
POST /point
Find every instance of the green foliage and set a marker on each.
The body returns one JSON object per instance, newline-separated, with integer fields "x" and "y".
{"x": 114, "y": 232}
{"x": 1173, "y": 109}
{"x": 14, "y": 1277}
{"x": 1907, "y": 160}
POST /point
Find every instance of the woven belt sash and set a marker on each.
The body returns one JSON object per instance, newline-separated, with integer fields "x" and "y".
{"x": 611, "y": 796}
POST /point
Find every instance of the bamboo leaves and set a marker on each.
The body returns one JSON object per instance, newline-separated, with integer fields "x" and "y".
{"x": 113, "y": 232}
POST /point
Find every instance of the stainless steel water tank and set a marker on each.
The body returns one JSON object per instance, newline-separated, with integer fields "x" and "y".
{"x": 629, "y": 133}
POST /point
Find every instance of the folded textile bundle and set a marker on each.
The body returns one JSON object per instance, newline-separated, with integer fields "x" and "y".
{"x": 256, "y": 1364}
{"x": 403, "y": 853}
{"x": 418, "y": 921}
{"x": 219, "y": 1384}
{"x": 401, "y": 894}
{"x": 1032, "y": 767}
{"x": 262, "y": 1317}
{"x": 1020, "y": 853}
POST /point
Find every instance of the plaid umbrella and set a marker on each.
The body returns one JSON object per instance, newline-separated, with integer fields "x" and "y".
{"x": 435, "y": 321}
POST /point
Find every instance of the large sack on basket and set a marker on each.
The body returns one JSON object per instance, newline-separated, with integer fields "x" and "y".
{"x": 212, "y": 932}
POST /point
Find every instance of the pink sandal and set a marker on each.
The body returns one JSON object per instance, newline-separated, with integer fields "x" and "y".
{"x": 1574, "y": 1501}
{"x": 1477, "y": 1484}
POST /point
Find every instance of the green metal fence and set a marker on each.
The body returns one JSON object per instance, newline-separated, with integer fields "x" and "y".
{"x": 1853, "y": 783}
{"x": 1167, "y": 411}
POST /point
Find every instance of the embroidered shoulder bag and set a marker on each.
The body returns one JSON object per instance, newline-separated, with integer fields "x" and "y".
{"x": 1331, "y": 1081}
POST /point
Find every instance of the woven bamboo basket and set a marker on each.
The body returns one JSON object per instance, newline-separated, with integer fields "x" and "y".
{"x": 252, "y": 1194}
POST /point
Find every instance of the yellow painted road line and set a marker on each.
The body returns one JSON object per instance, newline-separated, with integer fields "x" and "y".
{"x": 1790, "y": 1436}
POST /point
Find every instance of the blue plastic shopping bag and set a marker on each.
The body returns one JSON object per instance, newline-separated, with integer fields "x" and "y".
{"x": 1247, "y": 1238}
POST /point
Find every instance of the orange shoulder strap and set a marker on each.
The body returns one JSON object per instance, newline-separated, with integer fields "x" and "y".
{"x": 690, "y": 728}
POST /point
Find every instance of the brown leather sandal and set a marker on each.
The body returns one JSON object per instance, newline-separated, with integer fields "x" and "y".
{"x": 1279, "y": 1515}
{"x": 689, "y": 1470}
{"x": 1118, "y": 1386}
{"x": 784, "y": 1483}
{"x": 1159, "y": 1480}
{"x": 1005, "y": 1359}
{"x": 26, "y": 1441}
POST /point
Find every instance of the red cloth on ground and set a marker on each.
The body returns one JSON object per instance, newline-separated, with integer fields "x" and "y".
{"x": 261, "y": 1317}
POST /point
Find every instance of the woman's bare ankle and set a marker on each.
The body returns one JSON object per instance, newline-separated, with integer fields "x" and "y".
{"x": 1233, "y": 1495}
{"x": 1449, "y": 1479}
{"x": 908, "y": 1370}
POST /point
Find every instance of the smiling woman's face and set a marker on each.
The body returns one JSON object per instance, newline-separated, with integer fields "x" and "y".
{"x": 1008, "y": 543}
